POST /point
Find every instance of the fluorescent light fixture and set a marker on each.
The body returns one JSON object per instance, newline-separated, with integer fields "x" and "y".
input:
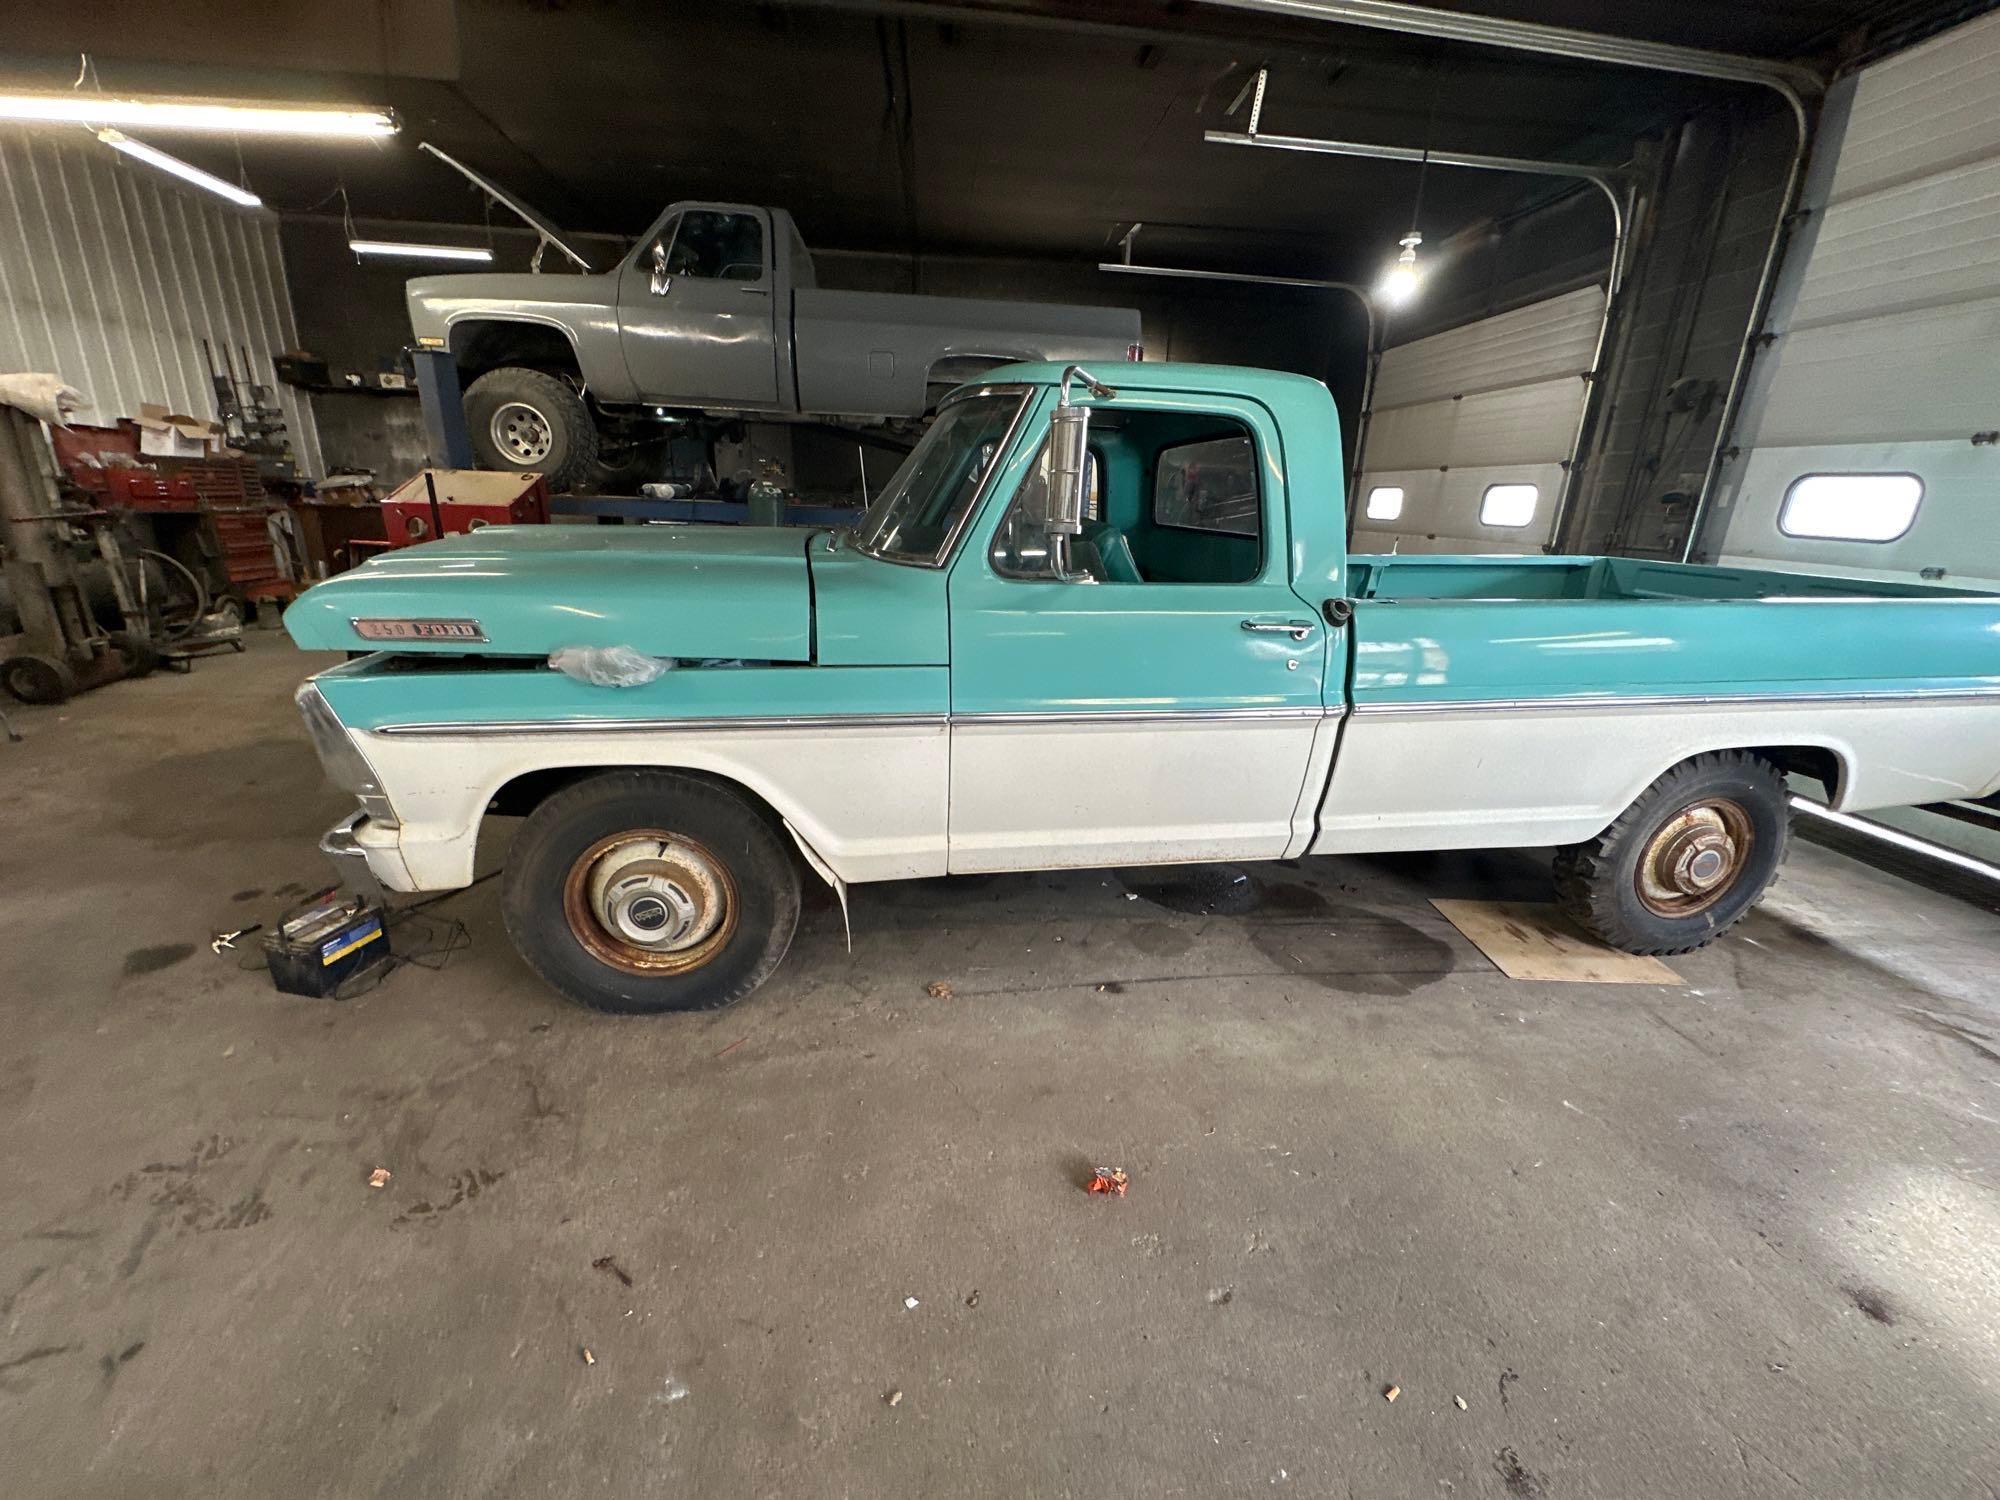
{"x": 197, "y": 114}
{"x": 154, "y": 157}
{"x": 420, "y": 252}
{"x": 1400, "y": 285}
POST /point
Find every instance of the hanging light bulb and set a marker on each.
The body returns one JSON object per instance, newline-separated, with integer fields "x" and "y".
{"x": 1400, "y": 285}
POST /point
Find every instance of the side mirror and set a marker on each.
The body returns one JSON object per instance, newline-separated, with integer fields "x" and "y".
{"x": 1069, "y": 471}
{"x": 660, "y": 282}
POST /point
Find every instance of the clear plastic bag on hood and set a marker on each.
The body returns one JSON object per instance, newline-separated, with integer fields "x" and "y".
{"x": 610, "y": 666}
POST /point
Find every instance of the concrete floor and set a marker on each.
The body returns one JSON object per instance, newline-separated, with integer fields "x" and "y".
{"x": 1736, "y": 1238}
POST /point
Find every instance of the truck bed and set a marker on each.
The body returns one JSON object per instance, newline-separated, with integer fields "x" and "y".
{"x": 1496, "y": 579}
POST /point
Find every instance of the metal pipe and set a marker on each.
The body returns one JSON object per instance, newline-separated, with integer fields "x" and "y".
{"x": 1616, "y": 186}
{"x": 1541, "y": 38}
{"x": 1793, "y": 82}
{"x": 1360, "y": 294}
{"x": 1908, "y": 842}
{"x": 1760, "y": 307}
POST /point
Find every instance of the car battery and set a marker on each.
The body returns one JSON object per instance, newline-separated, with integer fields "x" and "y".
{"x": 447, "y": 502}
{"x": 325, "y": 941}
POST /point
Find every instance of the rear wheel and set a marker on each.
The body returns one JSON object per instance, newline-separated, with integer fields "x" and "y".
{"x": 647, "y": 891}
{"x": 525, "y": 421}
{"x": 1685, "y": 861}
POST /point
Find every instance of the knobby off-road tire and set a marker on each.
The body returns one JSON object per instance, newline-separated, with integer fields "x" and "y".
{"x": 523, "y": 420}
{"x": 1685, "y": 861}
{"x": 639, "y": 892}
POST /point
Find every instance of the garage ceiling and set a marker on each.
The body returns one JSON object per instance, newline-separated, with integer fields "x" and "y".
{"x": 1024, "y": 127}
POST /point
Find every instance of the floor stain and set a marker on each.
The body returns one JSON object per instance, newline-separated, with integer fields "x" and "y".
{"x": 250, "y": 895}
{"x": 1356, "y": 953}
{"x": 1873, "y": 1302}
{"x": 1944, "y": 1026}
{"x": 1519, "y": 1479}
{"x": 1195, "y": 890}
{"x": 152, "y": 960}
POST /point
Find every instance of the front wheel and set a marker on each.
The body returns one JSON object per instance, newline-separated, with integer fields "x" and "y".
{"x": 1685, "y": 861}
{"x": 639, "y": 892}
{"x": 523, "y": 421}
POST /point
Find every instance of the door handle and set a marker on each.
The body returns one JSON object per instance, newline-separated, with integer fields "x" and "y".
{"x": 755, "y": 291}
{"x": 1298, "y": 630}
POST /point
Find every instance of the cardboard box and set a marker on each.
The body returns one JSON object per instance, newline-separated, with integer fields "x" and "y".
{"x": 167, "y": 434}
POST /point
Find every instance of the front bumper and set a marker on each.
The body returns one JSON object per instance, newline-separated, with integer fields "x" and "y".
{"x": 367, "y": 854}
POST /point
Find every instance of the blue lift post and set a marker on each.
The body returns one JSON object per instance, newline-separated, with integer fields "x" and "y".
{"x": 445, "y": 432}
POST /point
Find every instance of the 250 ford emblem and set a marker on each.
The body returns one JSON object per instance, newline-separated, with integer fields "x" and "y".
{"x": 419, "y": 630}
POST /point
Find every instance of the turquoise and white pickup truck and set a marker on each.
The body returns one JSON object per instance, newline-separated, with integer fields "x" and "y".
{"x": 1087, "y": 626}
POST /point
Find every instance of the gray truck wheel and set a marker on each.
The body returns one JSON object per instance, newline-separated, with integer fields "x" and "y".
{"x": 639, "y": 892}
{"x": 523, "y": 420}
{"x": 1685, "y": 861}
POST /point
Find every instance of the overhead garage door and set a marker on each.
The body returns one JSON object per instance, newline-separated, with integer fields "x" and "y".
{"x": 1471, "y": 430}
{"x": 1869, "y": 430}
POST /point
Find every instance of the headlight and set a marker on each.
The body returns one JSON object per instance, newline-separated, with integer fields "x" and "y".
{"x": 346, "y": 767}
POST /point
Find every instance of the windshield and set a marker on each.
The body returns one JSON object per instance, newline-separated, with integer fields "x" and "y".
{"x": 915, "y": 516}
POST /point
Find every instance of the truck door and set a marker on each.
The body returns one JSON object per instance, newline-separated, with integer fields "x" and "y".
{"x": 1165, "y": 711}
{"x": 695, "y": 310}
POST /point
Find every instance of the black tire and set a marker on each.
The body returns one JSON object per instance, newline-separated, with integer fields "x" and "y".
{"x": 1602, "y": 884}
{"x": 565, "y": 450}
{"x": 38, "y": 679}
{"x": 554, "y": 924}
{"x": 142, "y": 657}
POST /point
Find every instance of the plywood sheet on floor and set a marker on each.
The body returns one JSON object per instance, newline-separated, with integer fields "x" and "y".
{"x": 1533, "y": 940}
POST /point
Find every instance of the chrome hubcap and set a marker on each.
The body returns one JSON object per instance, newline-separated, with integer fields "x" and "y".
{"x": 521, "y": 433}
{"x": 1694, "y": 857}
{"x": 658, "y": 894}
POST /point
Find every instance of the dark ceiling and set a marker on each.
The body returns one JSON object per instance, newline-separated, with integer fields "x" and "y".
{"x": 1018, "y": 127}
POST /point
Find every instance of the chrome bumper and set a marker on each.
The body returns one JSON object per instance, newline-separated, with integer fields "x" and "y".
{"x": 350, "y": 860}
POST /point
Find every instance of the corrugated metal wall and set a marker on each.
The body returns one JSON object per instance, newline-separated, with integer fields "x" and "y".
{"x": 112, "y": 273}
{"x": 1887, "y": 355}
{"x": 1496, "y": 401}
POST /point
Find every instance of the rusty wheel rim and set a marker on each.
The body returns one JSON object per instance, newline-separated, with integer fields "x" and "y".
{"x": 1695, "y": 857}
{"x": 650, "y": 902}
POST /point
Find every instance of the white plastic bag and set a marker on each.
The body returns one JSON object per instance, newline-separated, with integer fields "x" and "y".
{"x": 43, "y": 397}
{"x": 610, "y": 666}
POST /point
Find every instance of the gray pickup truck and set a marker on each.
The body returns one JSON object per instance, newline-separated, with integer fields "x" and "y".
{"x": 715, "y": 310}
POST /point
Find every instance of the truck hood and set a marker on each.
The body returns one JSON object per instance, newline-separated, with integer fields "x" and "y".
{"x": 694, "y": 591}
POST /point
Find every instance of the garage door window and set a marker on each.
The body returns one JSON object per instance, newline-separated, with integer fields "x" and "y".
{"x": 1508, "y": 504}
{"x": 1385, "y": 502}
{"x": 1851, "y": 507}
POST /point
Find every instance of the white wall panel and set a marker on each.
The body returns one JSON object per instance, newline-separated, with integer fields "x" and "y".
{"x": 1923, "y": 111}
{"x": 1496, "y": 401}
{"x": 1441, "y": 510}
{"x": 1887, "y": 322}
{"x": 1536, "y": 342}
{"x": 111, "y": 275}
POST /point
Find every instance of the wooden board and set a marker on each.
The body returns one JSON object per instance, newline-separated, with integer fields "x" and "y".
{"x": 1533, "y": 940}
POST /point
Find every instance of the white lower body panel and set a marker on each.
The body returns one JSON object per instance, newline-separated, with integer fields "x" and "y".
{"x": 869, "y": 799}
{"x": 1067, "y": 793}
{"x": 1501, "y": 776}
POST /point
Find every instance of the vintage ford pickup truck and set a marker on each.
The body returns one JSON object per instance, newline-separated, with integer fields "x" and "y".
{"x": 1098, "y": 626}
{"x": 715, "y": 309}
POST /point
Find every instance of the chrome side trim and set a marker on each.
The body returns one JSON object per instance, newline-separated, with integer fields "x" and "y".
{"x": 1139, "y": 716}
{"x": 485, "y": 729}
{"x": 1669, "y": 700}
{"x": 488, "y": 728}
